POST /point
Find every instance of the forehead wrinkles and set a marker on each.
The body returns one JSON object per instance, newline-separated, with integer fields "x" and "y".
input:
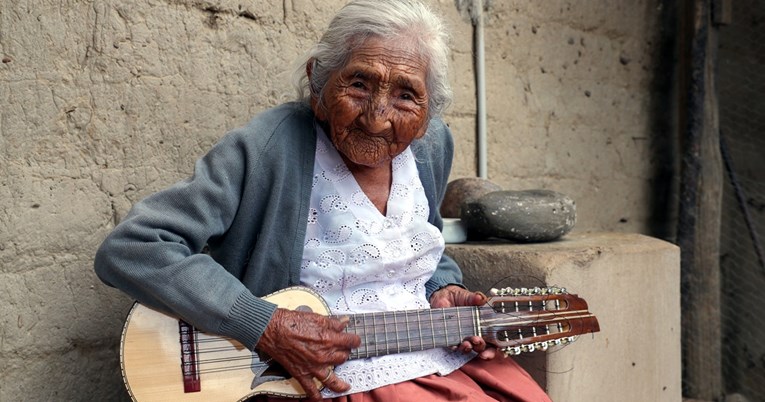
{"x": 388, "y": 58}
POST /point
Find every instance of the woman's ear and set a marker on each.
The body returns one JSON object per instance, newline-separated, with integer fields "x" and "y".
{"x": 309, "y": 68}
{"x": 315, "y": 106}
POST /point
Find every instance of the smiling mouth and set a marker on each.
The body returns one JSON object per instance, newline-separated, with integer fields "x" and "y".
{"x": 386, "y": 135}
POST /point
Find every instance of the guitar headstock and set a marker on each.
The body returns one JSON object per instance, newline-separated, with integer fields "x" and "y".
{"x": 529, "y": 319}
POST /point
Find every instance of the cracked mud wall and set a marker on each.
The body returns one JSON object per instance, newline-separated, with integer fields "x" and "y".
{"x": 103, "y": 102}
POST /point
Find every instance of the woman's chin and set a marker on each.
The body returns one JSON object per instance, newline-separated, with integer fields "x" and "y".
{"x": 369, "y": 162}
{"x": 363, "y": 160}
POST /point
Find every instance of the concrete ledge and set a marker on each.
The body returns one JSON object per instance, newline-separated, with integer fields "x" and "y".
{"x": 631, "y": 283}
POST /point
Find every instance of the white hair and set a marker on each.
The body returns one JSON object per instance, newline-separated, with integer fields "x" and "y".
{"x": 387, "y": 19}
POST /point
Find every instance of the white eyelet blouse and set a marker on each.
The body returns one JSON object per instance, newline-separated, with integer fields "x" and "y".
{"x": 361, "y": 261}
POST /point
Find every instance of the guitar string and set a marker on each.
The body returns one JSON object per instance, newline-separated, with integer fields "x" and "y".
{"x": 363, "y": 327}
{"x": 417, "y": 314}
{"x": 205, "y": 362}
{"x": 436, "y": 333}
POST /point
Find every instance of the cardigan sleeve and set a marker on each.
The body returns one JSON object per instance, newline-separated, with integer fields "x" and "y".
{"x": 155, "y": 254}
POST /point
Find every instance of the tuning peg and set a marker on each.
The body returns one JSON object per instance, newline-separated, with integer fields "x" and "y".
{"x": 543, "y": 346}
{"x": 556, "y": 290}
{"x": 512, "y": 351}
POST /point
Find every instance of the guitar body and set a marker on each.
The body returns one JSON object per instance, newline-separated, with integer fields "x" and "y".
{"x": 151, "y": 363}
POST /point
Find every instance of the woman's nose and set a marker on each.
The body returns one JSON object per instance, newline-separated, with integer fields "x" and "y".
{"x": 376, "y": 117}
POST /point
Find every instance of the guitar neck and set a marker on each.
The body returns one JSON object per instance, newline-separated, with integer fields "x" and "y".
{"x": 392, "y": 332}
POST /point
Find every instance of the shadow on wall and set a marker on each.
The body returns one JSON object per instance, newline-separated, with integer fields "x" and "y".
{"x": 663, "y": 110}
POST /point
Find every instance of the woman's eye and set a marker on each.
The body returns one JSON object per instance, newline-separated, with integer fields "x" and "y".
{"x": 406, "y": 96}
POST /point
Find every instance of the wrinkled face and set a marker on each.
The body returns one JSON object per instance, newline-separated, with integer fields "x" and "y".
{"x": 377, "y": 104}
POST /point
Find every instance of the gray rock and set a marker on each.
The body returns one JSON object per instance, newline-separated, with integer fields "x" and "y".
{"x": 464, "y": 190}
{"x": 523, "y": 216}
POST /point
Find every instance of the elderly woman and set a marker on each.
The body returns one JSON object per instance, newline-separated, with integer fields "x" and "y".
{"x": 338, "y": 193}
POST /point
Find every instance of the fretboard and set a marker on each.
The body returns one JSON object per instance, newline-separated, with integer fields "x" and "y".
{"x": 411, "y": 330}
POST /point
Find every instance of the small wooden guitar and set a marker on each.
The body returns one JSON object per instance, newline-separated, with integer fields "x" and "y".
{"x": 164, "y": 359}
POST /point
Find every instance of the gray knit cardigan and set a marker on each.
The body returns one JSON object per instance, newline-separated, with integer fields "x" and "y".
{"x": 247, "y": 201}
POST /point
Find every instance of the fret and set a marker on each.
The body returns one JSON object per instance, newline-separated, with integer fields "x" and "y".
{"x": 355, "y": 326}
{"x": 408, "y": 331}
{"x": 477, "y": 322}
{"x": 446, "y": 329}
{"x": 366, "y": 334}
{"x": 432, "y": 328}
{"x": 459, "y": 324}
{"x": 385, "y": 333}
{"x": 374, "y": 327}
{"x": 395, "y": 328}
{"x": 419, "y": 327}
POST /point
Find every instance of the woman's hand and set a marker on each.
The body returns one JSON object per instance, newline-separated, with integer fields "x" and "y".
{"x": 455, "y": 296}
{"x": 308, "y": 345}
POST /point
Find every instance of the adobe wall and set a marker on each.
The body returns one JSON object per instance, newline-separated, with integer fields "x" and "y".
{"x": 103, "y": 102}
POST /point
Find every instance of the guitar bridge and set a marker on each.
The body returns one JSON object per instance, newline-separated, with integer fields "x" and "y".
{"x": 189, "y": 362}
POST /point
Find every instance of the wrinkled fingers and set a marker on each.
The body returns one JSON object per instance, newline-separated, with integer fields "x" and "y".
{"x": 335, "y": 383}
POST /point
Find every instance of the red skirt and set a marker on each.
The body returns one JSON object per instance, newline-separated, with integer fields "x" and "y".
{"x": 500, "y": 379}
